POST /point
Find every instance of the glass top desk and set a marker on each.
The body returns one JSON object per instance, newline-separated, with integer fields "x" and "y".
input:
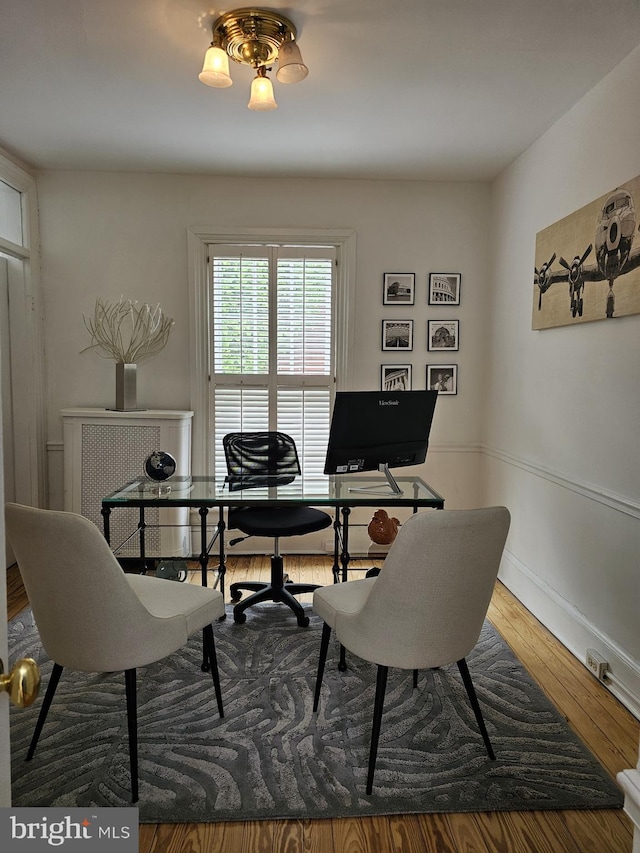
{"x": 340, "y": 492}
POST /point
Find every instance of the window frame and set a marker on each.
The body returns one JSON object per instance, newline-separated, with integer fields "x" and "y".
{"x": 198, "y": 239}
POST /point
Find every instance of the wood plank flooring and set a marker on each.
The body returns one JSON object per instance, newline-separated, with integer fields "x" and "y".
{"x": 604, "y": 725}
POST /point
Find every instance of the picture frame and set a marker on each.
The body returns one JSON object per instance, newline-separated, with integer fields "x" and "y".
{"x": 444, "y": 288}
{"x": 443, "y": 335}
{"x": 442, "y": 378}
{"x": 397, "y": 335}
{"x": 398, "y": 288}
{"x": 395, "y": 377}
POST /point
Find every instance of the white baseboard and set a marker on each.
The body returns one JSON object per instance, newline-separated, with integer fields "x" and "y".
{"x": 573, "y": 630}
{"x": 629, "y": 781}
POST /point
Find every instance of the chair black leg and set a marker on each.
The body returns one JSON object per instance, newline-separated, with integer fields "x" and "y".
{"x": 415, "y": 678}
{"x": 381, "y": 686}
{"x": 342, "y": 663}
{"x": 132, "y": 724}
{"x": 471, "y": 693}
{"x": 44, "y": 710}
{"x": 210, "y": 645}
{"x": 235, "y": 590}
{"x": 324, "y": 645}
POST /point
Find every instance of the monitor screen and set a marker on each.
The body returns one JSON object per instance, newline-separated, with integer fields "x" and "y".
{"x": 378, "y": 430}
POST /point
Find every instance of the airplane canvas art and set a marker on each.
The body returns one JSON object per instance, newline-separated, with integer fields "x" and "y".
{"x": 587, "y": 265}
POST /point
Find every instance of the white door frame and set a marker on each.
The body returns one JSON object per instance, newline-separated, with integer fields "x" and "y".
{"x": 28, "y": 406}
{"x": 6, "y": 410}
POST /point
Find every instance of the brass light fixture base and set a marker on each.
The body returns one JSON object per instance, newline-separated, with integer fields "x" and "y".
{"x": 252, "y": 36}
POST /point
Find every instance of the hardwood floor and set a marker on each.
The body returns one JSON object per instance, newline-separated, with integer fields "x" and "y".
{"x": 604, "y": 725}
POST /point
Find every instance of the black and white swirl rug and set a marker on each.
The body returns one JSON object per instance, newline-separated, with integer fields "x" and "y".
{"x": 271, "y": 757}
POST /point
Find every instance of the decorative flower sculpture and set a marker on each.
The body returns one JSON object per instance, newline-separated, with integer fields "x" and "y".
{"x": 126, "y": 331}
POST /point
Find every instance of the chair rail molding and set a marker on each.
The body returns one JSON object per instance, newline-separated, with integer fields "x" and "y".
{"x": 587, "y": 490}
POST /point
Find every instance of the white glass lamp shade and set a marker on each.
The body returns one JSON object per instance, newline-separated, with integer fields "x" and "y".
{"x": 215, "y": 71}
{"x": 262, "y": 94}
{"x": 291, "y": 68}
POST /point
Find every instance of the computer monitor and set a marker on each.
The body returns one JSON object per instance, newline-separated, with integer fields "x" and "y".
{"x": 379, "y": 430}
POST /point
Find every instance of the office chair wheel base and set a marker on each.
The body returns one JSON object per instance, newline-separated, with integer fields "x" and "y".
{"x": 240, "y": 618}
{"x": 342, "y": 667}
{"x": 303, "y": 622}
{"x": 205, "y": 667}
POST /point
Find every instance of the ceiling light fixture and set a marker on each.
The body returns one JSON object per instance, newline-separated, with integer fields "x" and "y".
{"x": 255, "y": 37}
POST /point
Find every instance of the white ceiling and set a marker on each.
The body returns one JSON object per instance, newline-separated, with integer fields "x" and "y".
{"x": 402, "y": 89}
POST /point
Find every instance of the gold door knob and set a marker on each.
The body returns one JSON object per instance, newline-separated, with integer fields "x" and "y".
{"x": 23, "y": 682}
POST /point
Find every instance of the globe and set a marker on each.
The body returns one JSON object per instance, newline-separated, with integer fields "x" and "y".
{"x": 159, "y": 465}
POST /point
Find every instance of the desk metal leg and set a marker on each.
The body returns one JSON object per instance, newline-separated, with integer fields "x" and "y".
{"x": 106, "y": 517}
{"x": 222, "y": 565}
{"x": 204, "y": 560}
{"x": 204, "y": 557}
{"x": 141, "y": 527}
{"x": 206, "y": 547}
{"x": 337, "y": 547}
{"x": 344, "y": 556}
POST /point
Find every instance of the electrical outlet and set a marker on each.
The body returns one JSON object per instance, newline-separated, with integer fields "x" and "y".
{"x": 596, "y": 663}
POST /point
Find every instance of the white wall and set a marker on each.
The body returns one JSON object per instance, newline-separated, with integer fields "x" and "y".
{"x": 111, "y": 234}
{"x": 555, "y": 413}
{"x": 561, "y": 428}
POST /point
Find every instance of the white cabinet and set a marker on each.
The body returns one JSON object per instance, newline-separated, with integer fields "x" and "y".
{"x": 104, "y": 449}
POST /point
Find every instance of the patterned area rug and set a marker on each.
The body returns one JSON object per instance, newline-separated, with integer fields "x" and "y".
{"x": 271, "y": 757}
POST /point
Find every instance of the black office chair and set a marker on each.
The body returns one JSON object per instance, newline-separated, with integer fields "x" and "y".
{"x": 258, "y": 459}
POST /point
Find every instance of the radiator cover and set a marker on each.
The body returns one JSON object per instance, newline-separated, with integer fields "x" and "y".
{"x": 105, "y": 449}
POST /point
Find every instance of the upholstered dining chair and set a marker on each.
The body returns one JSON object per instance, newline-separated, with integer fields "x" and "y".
{"x": 258, "y": 459}
{"x": 425, "y": 609}
{"x": 93, "y": 617}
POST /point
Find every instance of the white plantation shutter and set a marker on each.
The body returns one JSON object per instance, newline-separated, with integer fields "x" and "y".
{"x": 304, "y": 316}
{"x": 304, "y": 414}
{"x": 240, "y": 302}
{"x": 272, "y": 345}
{"x": 237, "y": 410}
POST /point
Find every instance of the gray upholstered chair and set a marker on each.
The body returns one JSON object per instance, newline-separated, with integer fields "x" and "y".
{"x": 93, "y": 617}
{"x": 427, "y": 606}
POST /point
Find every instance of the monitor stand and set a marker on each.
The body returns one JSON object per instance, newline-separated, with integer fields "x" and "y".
{"x": 393, "y": 487}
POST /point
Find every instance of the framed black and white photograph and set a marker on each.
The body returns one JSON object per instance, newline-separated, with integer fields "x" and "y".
{"x": 395, "y": 377}
{"x": 442, "y": 378}
{"x": 397, "y": 335}
{"x": 444, "y": 288}
{"x": 443, "y": 335}
{"x": 398, "y": 288}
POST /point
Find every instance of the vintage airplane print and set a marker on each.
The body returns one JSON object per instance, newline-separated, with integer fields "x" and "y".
{"x": 587, "y": 265}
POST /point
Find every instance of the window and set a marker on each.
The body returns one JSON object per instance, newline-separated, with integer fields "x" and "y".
{"x": 10, "y": 214}
{"x": 272, "y": 344}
